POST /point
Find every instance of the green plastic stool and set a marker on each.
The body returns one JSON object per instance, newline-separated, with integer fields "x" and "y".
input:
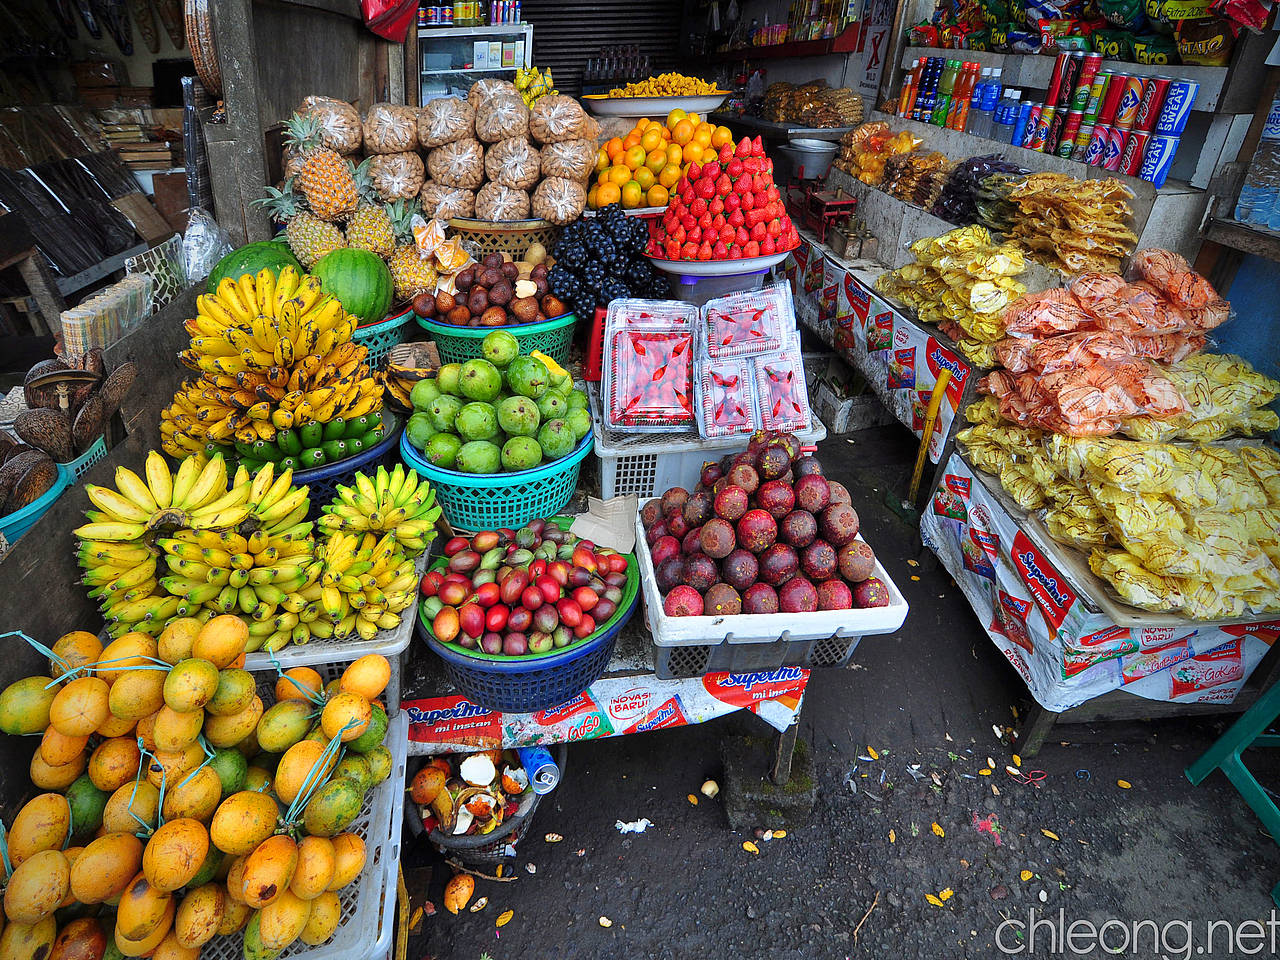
{"x": 1224, "y": 755}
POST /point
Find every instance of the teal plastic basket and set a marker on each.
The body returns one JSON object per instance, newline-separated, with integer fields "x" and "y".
{"x": 78, "y": 467}
{"x": 490, "y": 501}
{"x": 20, "y": 521}
{"x": 380, "y": 337}
{"x": 460, "y": 344}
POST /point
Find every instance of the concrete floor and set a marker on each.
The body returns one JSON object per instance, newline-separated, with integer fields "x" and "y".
{"x": 855, "y": 881}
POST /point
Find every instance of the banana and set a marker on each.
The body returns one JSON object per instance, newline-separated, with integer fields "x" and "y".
{"x": 135, "y": 489}
{"x": 265, "y": 284}
{"x": 211, "y": 484}
{"x": 110, "y": 530}
{"x": 227, "y": 518}
{"x": 159, "y": 479}
{"x": 262, "y": 482}
{"x": 276, "y": 492}
{"x": 116, "y": 506}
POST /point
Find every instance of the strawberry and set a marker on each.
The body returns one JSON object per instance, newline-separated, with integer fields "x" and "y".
{"x": 736, "y": 218}
{"x": 751, "y": 248}
{"x": 718, "y": 221}
{"x": 727, "y": 233}
{"x": 673, "y": 249}
{"x": 710, "y": 171}
{"x": 734, "y": 168}
{"x": 732, "y": 202}
{"x": 757, "y": 183}
{"x": 688, "y": 251}
{"x": 751, "y": 165}
{"x": 678, "y": 234}
{"x": 716, "y": 206}
{"x": 757, "y": 146}
{"x": 688, "y": 221}
{"x": 767, "y": 246}
{"x": 686, "y": 190}
{"x": 695, "y": 234}
{"x": 741, "y": 235}
{"x": 759, "y": 232}
{"x": 694, "y": 170}
{"x": 774, "y": 194}
{"x": 775, "y": 227}
{"x": 726, "y": 153}
{"x": 724, "y": 185}
{"x": 748, "y": 201}
{"x": 705, "y": 220}
{"x": 742, "y": 186}
{"x": 669, "y": 220}
{"x": 704, "y": 251}
{"x": 735, "y": 252}
{"x": 706, "y": 189}
{"x": 744, "y": 148}
{"x": 719, "y": 251}
{"x": 698, "y": 207}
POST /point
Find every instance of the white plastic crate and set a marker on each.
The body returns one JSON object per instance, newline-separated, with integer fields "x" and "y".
{"x": 368, "y": 904}
{"x": 649, "y": 464}
{"x": 746, "y": 642}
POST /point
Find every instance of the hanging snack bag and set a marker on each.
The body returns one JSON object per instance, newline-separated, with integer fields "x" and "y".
{"x": 340, "y": 126}
{"x": 457, "y": 164}
{"x": 513, "y": 163}
{"x": 445, "y": 120}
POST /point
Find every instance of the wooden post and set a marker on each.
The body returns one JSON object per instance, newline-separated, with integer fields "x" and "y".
{"x": 781, "y": 772}
{"x": 44, "y": 288}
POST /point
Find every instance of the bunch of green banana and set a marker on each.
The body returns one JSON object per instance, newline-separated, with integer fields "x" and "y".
{"x": 365, "y": 583}
{"x": 394, "y": 502}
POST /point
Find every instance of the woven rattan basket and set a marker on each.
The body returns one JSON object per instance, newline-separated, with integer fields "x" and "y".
{"x": 504, "y": 236}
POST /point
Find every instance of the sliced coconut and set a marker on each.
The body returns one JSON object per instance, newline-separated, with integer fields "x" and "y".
{"x": 464, "y": 821}
{"x": 478, "y": 770}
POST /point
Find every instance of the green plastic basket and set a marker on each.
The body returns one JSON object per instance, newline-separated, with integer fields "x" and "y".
{"x": 460, "y": 344}
{"x": 380, "y": 337}
{"x": 491, "y": 501}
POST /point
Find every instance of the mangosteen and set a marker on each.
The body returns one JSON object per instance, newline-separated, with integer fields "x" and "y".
{"x": 711, "y": 472}
{"x": 722, "y": 600}
{"x": 813, "y": 493}
{"x": 834, "y": 595}
{"x": 717, "y": 538}
{"x": 650, "y": 513}
{"x": 464, "y": 278}
{"x": 798, "y": 528}
{"x": 489, "y": 277}
{"x": 700, "y": 572}
{"x": 669, "y": 573}
{"x": 806, "y": 466}
{"x": 839, "y": 494}
{"x": 500, "y": 293}
{"x": 797, "y": 595}
{"x": 779, "y": 564}
{"x": 697, "y": 509}
{"x": 676, "y": 525}
{"x": 773, "y": 461}
{"x": 744, "y": 475}
{"x": 663, "y": 549}
{"x": 838, "y": 524}
{"x": 757, "y": 530}
{"x": 493, "y": 260}
{"x": 731, "y": 502}
{"x": 857, "y": 561}
{"x": 819, "y": 561}
{"x": 739, "y": 569}
{"x": 510, "y": 271}
{"x": 871, "y": 593}
{"x": 760, "y": 598}
{"x": 692, "y": 542}
{"x": 776, "y": 497}
{"x": 674, "y": 499}
{"x": 683, "y": 601}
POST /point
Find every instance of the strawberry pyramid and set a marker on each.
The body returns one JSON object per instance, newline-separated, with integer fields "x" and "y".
{"x": 726, "y": 209}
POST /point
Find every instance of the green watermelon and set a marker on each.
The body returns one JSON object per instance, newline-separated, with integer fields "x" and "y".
{"x": 251, "y": 258}
{"x": 360, "y": 281}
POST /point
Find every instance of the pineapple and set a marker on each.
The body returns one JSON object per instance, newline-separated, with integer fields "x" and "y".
{"x": 370, "y": 226}
{"x": 411, "y": 272}
{"x": 309, "y": 237}
{"x": 324, "y": 177}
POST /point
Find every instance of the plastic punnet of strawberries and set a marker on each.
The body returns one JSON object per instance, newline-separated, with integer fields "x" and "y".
{"x": 728, "y": 208}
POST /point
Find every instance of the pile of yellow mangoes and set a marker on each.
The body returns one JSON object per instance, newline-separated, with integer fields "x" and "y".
{"x": 642, "y": 168}
{"x": 168, "y": 786}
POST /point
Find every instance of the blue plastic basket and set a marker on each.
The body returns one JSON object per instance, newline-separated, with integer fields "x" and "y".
{"x": 460, "y": 344}
{"x": 78, "y": 467}
{"x": 324, "y": 481}
{"x": 20, "y": 521}
{"x": 490, "y": 501}
{"x": 529, "y": 684}
{"x": 380, "y": 337}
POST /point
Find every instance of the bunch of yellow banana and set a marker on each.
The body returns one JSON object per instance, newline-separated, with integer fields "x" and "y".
{"x": 271, "y": 353}
{"x": 365, "y": 583}
{"x": 399, "y": 380}
{"x": 395, "y": 502}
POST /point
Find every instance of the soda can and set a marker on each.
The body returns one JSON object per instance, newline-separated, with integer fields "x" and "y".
{"x": 1033, "y": 121}
{"x": 1097, "y": 90}
{"x": 1135, "y": 146}
{"x": 1158, "y": 159}
{"x": 446, "y": 16}
{"x": 1084, "y": 136}
{"x": 1130, "y": 101}
{"x": 1070, "y": 130}
{"x": 1043, "y": 123}
{"x": 1070, "y": 77}
{"x": 1096, "y": 152}
{"x": 1176, "y": 110}
{"x": 1114, "y": 151}
{"x": 1153, "y": 95}
{"x": 1054, "y": 136}
{"x": 1055, "y": 80}
{"x": 1084, "y": 83}
{"x": 1111, "y": 99}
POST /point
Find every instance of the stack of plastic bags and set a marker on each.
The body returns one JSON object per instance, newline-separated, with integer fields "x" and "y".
{"x": 865, "y": 150}
{"x": 1073, "y": 225}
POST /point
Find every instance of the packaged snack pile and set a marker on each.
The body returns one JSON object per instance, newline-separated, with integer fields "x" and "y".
{"x": 963, "y": 277}
{"x": 1194, "y": 529}
{"x": 865, "y": 150}
{"x": 958, "y": 199}
{"x": 1073, "y": 225}
{"x": 732, "y": 368}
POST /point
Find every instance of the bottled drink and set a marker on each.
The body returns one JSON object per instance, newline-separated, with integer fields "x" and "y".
{"x": 1020, "y": 123}
{"x": 985, "y": 123}
{"x": 975, "y": 103}
{"x": 910, "y": 87}
{"x": 996, "y": 83}
{"x": 946, "y": 87}
{"x": 1001, "y": 128}
{"x": 927, "y": 99}
{"x": 1259, "y": 202}
{"x": 958, "y": 115}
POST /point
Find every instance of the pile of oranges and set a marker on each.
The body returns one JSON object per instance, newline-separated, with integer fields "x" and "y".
{"x": 640, "y": 169}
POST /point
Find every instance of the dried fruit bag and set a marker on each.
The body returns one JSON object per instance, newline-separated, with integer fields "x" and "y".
{"x": 749, "y": 323}
{"x": 726, "y": 398}
{"x": 648, "y": 376}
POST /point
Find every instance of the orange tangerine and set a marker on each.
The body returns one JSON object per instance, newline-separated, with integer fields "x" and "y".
{"x": 650, "y": 139}
{"x": 674, "y": 153}
{"x": 642, "y": 123}
{"x": 720, "y": 137}
{"x": 603, "y": 176}
{"x": 619, "y": 174}
{"x": 591, "y": 196}
{"x": 607, "y": 193}
{"x": 670, "y": 175}
{"x": 692, "y": 152}
{"x": 675, "y": 116}
{"x": 634, "y": 157}
{"x": 612, "y": 147}
{"x": 694, "y": 119}
{"x": 702, "y": 137}
{"x": 632, "y": 139}
{"x": 602, "y": 160}
{"x": 645, "y": 177}
{"x": 656, "y": 160}
{"x": 657, "y": 196}
{"x": 682, "y": 132}
{"x": 631, "y": 195}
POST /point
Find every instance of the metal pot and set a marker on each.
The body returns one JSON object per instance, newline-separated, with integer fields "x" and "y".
{"x": 809, "y": 159}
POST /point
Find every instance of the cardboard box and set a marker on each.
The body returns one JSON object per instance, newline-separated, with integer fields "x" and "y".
{"x": 520, "y": 61}
{"x": 509, "y": 54}
{"x": 480, "y": 54}
{"x": 495, "y": 54}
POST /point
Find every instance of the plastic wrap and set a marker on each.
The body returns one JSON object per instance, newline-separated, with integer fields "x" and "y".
{"x": 726, "y": 398}
{"x": 957, "y": 200}
{"x": 486, "y": 89}
{"x": 494, "y": 201}
{"x": 390, "y": 128}
{"x": 649, "y": 359}
{"x": 559, "y": 200}
{"x": 749, "y": 323}
{"x": 571, "y": 159}
{"x": 445, "y": 120}
{"x": 513, "y": 163}
{"x": 556, "y": 118}
{"x": 457, "y": 164}
{"x": 1073, "y": 225}
{"x": 203, "y": 244}
{"x": 500, "y": 118}
{"x": 781, "y": 389}
{"x": 445, "y": 202}
{"x": 340, "y": 126}
{"x": 396, "y": 176}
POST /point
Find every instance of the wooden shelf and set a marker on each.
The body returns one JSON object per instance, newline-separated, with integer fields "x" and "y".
{"x": 844, "y": 42}
{"x": 1244, "y": 237}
